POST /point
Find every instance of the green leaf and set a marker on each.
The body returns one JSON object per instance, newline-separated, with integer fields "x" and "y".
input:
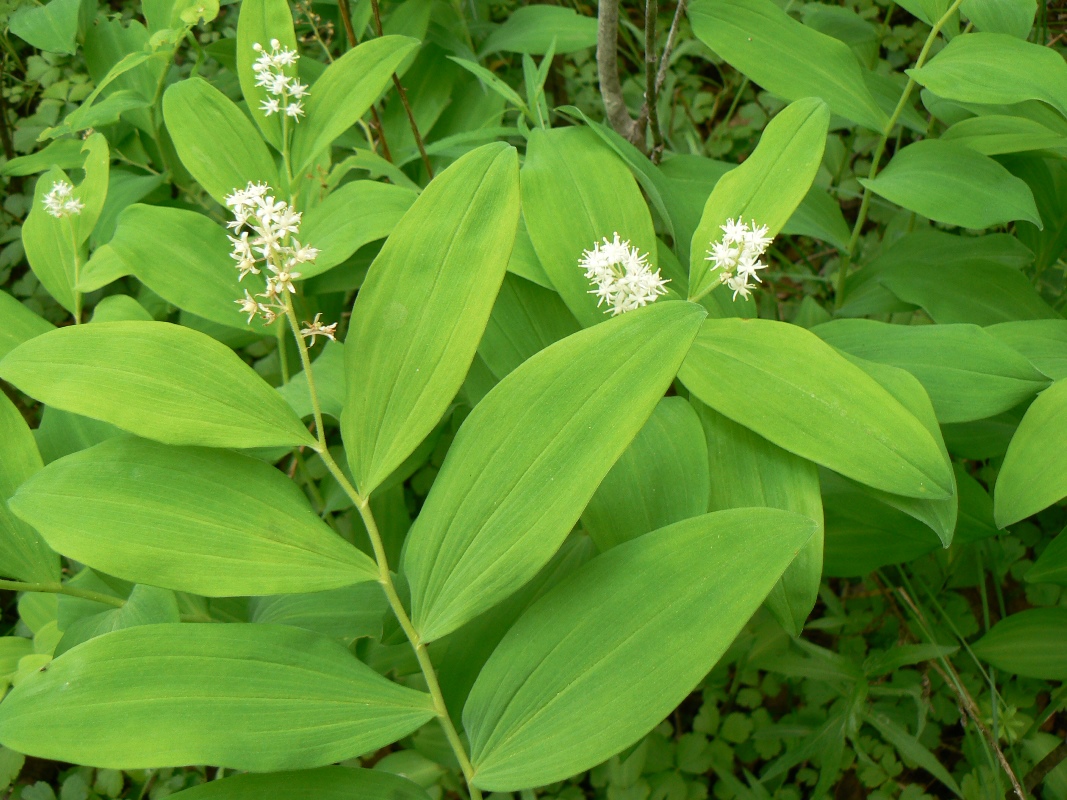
{"x": 326, "y": 783}
{"x": 248, "y": 697}
{"x": 1034, "y": 473}
{"x": 183, "y": 257}
{"x": 155, "y": 379}
{"x": 575, "y": 192}
{"x": 210, "y": 522}
{"x": 582, "y": 675}
{"x": 348, "y": 613}
{"x": 949, "y": 183}
{"x": 996, "y": 134}
{"x": 748, "y": 471}
{"x": 1031, "y": 643}
{"x": 215, "y": 141}
{"x": 662, "y": 477}
{"x": 767, "y": 187}
{"x": 423, "y": 307}
{"x": 353, "y": 215}
{"x": 343, "y": 93}
{"x": 24, "y": 555}
{"x": 259, "y": 22}
{"x": 996, "y": 69}
{"x": 525, "y": 320}
{"x": 789, "y": 59}
{"x": 793, "y": 389}
{"x": 51, "y": 27}
{"x": 529, "y": 457}
{"x": 146, "y": 605}
{"x": 912, "y": 750}
{"x": 18, "y": 324}
{"x": 49, "y": 243}
{"x": 1043, "y": 342}
{"x": 538, "y": 28}
{"x": 968, "y": 374}
{"x": 1051, "y": 565}
{"x": 1013, "y": 17}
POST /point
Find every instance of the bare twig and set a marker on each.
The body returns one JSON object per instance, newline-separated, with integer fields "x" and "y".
{"x": 353, "y": 40}
{"x": 672, "y": 36}
{"x": 607, "y": 62}
{"x": 651, "y": 15}
{"x": 1045, "y": 766}
{"x": 5, "y": 135}
{"x": 403, "y": 96}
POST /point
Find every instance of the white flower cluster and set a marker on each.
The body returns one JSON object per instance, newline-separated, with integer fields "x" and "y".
{"x": 265, "y": 231}
{"x": 622, "y": 276}
{"x": 270, "y": 74}
{"x": 737, "y": 255}
{"x": 60, "y": 202}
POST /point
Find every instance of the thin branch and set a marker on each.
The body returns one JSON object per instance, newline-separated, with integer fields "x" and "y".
{"x": 607, "y": 62}
{"x": 651, "y": 15}
{"x": 353, "y": 40}
{"x": 1045, "y": 766}
{"x": 403, "y": 96}
{"x": 672, "y": 36}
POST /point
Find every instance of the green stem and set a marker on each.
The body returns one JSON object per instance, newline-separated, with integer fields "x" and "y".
{"x": 77, "y": 271}
{"x": 60, "y": 588}
{"x": 384, "y": 576}
{"x": 879, "y": 151}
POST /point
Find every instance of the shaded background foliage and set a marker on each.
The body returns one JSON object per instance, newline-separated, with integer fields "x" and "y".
{"x": 883, "y": 695}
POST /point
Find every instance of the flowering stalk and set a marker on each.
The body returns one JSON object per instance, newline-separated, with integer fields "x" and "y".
{"x": 286, "y": 91}
{"x": 623, "y": 278}
{"x": 384, "y": 576}
{"x": 61, "y": 203}
{"x": 736, "y": 257}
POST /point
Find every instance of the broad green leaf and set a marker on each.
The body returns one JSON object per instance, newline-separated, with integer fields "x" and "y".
{"x": 353, "y": 215}
{"x": 103, "y": 267}
{"x": 326, "y": 783}
{"x": 912, "y": 750}
{"x": 348, "y": 613}
{"x": 767, "y": 187}
{"x": 1051, "y": 565}
{"x": 947, "y": 182}
{"x": 968, "y": 374}
{"x": 18, "y": 324}
{"x": 24, "y": 555}
{"x": 50, "y": 27}
{"x": 1034, "y": 473}
{"x": 210, "y": 522}
{"x": 259, "y": 22}
{"x": 996, "y": 134}
{"x": 996, "y": 69}
{"x": 787, "y": 58}
{"x": 422, "y": 309}
{"x": 1012, "y": 17}
{"x": 62, "y": 433}
{"x": 157, "y": 380}
{"x": 793, "y": 389}
{"x": 62, "y": 153}
{"x": 576, "y": 192}
{"x": 466, "y": 650}
{"x": 863, "y": 533}
{"x": 582, "y": 675}
{"x": 529, "y": 457}
{"x": 343, "y": 93}
{"x": 93, "y": 189}
{"x": 1031, "y": 643}
{"x": 120, "y": 308}
{"x": 248, "y": 697}
{"x": 1042, "y": 341}
{"x": 215, "y": 141}
{"x": 662, "y": 477}
{"x": 123, "y": 190}
{"x": 536, "y": 29}
{"x": 184, "y": 257}
{"x": 525, "y": 320}
{"x": 748, "y": 471}
{"x": 146, "y": 605}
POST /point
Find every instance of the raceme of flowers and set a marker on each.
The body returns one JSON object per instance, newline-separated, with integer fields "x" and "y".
{"x": 737, "y": 255}
{"x": 60, "y": 202}
{"x": 624, "y": 281}
{"x": 265, "y": 230}
{"x": 287, "y": 91}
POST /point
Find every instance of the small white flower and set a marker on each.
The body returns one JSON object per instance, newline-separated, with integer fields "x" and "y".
{"x": 59, "y": 202}
{"x": 249, "y": 305}
{"x": 737, "y": 255}
{"x": 315, "y": 328}
{"x": 269, "y": 70}
{"x": 624, "y": 281}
